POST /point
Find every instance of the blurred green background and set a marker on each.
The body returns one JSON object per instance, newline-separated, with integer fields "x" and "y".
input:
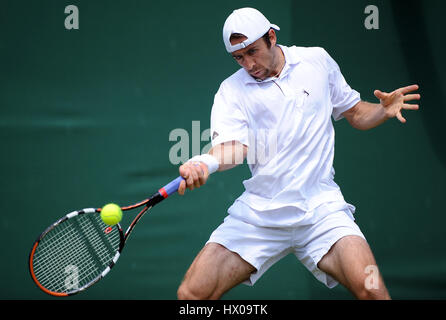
{"x": 85, "y": 118}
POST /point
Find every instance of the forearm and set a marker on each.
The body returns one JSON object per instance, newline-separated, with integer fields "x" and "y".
{"x": 229, "y": 154}
{"x": 197, "y": 170}
{"x": 365, "y": 115}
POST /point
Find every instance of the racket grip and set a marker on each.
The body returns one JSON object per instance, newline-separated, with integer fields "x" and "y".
{"x": 171, "y": 187}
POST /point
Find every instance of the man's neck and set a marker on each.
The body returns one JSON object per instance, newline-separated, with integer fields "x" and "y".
{"x": 280, "y": 62}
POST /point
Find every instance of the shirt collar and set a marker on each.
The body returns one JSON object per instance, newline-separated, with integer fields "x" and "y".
{"x": 291, "y": 59}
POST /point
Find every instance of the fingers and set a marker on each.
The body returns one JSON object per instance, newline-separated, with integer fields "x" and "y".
{"x": 182, "y": 188}
{"x": 394, "y": 102}
{"x": 408, "y": 89}
{"x": 400, "y": 117}
{"x": 185, "y": 174}
{"x": 380, "y": 95}
{"x": 410, "y": 97}
{"x": 407, "y": 106}
{"x": 194, "y": 174}
{"x": 195, "y": 179}
{"x": 189, "y": 177}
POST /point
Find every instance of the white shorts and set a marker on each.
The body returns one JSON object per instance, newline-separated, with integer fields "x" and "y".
{"x": 309, "y": 241}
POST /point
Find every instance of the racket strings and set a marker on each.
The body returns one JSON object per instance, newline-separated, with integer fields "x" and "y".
{"x": 74, "y": 253}
{"x": 57, "y": 267}
{"x": 62, "y": 257}
{"x": 102, "y": 249}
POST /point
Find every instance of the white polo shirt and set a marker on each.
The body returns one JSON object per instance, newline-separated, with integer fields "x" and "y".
{"x": 286, "y": 124}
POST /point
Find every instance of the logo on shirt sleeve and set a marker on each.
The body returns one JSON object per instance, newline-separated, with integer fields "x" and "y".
{"x": 214, "y": 135}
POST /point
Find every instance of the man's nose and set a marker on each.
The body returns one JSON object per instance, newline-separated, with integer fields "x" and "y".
{"x": 248, "y": 63}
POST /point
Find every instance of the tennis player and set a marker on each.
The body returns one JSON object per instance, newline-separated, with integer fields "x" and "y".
{"x": 291, "y": 204}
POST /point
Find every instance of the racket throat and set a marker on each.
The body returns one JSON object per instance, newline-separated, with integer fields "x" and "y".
{"x": 155, "y": 199}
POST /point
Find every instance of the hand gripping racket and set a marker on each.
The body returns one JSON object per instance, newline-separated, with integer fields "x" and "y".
{"x": 79, "y": 249}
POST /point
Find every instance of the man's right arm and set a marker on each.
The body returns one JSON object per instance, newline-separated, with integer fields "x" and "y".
{"x": 228, "y": 155}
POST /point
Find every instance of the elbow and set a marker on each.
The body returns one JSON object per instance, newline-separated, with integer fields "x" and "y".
{"x": 353, "y": 121}
{"x": 363, "y": 126}
{"x": 354, "y": 118}
{"x": 359, "y": 126}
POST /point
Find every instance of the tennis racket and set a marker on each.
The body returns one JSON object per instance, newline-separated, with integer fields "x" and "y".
{"x": 79, "y": 249}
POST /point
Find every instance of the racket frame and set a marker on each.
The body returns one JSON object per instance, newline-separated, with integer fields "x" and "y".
{"x": 159, "y": 196}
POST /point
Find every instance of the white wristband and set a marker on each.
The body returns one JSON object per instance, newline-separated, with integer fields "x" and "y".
{"x": 207, "y": 159}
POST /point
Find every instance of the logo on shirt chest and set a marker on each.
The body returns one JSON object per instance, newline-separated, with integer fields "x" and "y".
{"x": 302, "y": 96}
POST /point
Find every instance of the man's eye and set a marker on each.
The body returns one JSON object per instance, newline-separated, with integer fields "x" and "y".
{"x": 237, "y": 57}
{"x": 252, "y": 51}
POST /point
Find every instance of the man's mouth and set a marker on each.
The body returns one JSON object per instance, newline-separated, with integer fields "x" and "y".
{"x": 257, "y": 73}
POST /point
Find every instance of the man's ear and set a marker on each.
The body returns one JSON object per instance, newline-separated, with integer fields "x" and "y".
{"x": 272, "y": 37}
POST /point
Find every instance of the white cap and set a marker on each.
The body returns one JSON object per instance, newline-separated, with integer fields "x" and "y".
{"x": 249, "y": 22}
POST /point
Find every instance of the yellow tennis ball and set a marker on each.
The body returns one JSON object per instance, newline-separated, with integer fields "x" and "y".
{"x": 111, "y": 214}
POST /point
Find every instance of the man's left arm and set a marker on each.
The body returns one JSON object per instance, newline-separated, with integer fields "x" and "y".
{"x": 365, "y": 115}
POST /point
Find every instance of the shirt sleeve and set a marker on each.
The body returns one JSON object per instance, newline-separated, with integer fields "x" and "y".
{"x": 228, "y": 121}
{"x": 342, "y": 96}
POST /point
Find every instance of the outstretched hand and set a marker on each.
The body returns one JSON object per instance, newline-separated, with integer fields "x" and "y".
{"x": 395, "y": 101}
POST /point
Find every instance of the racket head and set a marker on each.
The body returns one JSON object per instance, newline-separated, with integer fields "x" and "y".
{"x": 74, "y": 253}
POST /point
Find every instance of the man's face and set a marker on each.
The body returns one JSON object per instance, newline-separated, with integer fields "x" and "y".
{"x": 257, "y": 59}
